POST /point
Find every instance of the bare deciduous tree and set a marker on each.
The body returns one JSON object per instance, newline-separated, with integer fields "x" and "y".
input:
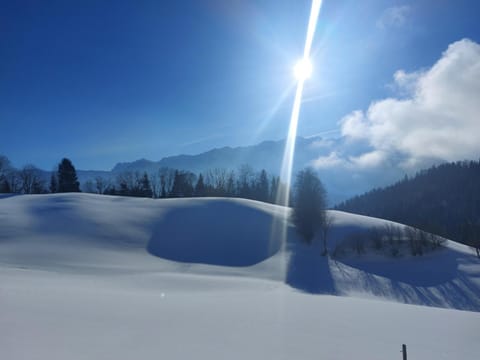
{"x": 217, "y": 179}
{"x": 89, "y": 187}
{"x": 101, "y": 184}
{"x": 309, "y": 204}
{"x": 155, "y": 184}
{"x": 167, "y": 177}
{"x": 31, "y": 181}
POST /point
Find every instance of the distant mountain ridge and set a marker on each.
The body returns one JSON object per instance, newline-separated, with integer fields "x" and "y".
{"x": 266, "y": 155}
{"x": 341, "y": 182}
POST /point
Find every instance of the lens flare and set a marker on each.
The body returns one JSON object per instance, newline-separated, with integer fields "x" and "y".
{"x": 303, "y": 70}
{"x": 286, "y": 171}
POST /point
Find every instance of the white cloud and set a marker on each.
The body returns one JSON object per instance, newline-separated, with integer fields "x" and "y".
{"x": 354, "y": 125}
{"x": 395, "y": 16}
{"x": 405, "y": 83}
{"x": 369, "y": 160}
{"x": 324, "y": 162}
{"x": 438, "y": 120}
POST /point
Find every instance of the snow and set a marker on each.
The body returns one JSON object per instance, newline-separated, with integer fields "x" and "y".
{"x": 100, "y": 277}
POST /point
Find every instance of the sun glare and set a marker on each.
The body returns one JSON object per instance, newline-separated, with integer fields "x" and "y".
{"x": 303, "y": 69}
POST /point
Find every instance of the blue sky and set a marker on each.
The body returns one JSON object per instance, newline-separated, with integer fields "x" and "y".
{"x": 108, "y": 81}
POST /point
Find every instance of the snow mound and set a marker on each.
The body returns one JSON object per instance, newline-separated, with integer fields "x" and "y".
{"x": 90, "y": 230}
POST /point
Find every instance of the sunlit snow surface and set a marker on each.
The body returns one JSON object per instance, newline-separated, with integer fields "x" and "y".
{"x": 98, "y": 277}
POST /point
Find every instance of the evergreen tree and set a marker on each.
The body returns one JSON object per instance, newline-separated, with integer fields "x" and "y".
{"x": 5, "y": 171}
{"x": 182, "y": 184}
{"x": 230, "y": 188}
{"x": 177, "y": 185}
{"x": 145, "y": 188}
{"x": 274, "y": 189}
{"x": 200, "y": 186}
{"x": 262, "y": 187}
{"x": 53, "y": 183}
{"x": 67, "y": 177}
{"x": 4, "y": 186}
{"x": 110, "y": 190}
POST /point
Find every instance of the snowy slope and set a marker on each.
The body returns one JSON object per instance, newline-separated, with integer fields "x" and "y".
{"x": 85, "y": 276}
{"x": 103, "y": 233}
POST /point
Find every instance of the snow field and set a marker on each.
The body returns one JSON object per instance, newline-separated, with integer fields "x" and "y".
{"x": 98, "y": 277}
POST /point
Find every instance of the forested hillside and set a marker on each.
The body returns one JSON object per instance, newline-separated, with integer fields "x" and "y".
{"x": 443, "y": 199}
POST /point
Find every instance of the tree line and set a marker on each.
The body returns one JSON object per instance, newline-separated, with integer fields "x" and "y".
{"x": 31, "y": 180}
{"x": 389, "y": 240}
{"x": 444, "y": 200}
{"x": 174, "y": 183}
{"x": 164, "y": 183}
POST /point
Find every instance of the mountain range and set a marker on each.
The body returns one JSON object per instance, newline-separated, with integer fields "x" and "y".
{"x": 341, "y": 182}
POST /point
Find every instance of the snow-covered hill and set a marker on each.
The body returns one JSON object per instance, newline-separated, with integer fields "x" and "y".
{"x": 86, "y": 276}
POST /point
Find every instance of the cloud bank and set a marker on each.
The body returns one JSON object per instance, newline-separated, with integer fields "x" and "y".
{"x": 435, "y": 117}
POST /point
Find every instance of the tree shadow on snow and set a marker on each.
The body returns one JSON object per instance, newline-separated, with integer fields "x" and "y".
{"x": 432, "y": 269}
{"x": 438, "y": 279}
{"x": 8, "y": 195}
{"x": 308, "y": 270}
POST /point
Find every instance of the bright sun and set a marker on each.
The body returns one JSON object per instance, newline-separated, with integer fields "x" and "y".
{"x": 303, "y": 69}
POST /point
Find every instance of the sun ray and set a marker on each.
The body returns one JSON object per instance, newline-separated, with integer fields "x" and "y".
{"x": 287, "y": 163}
{"x": 279, "y": 227}
{"x": 272, "y": 112}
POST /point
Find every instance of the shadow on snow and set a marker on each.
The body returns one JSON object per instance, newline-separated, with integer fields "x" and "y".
{"x": 217, "y": 233}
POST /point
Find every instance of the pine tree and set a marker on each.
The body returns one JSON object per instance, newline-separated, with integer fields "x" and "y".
{"x": 145, "y": 188}
{"x": 200, "y": 187}
{"x": 274, "y": 189}
{"x": 53, "y": 183}
{"x": 262, "y": 187}
{"x": 177, "y": 185}
{"x": 4, "y": 186}
{"x": 67, "y": 177}
{"x": 183, "y": 184}
{"x": 230, "y": 189}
